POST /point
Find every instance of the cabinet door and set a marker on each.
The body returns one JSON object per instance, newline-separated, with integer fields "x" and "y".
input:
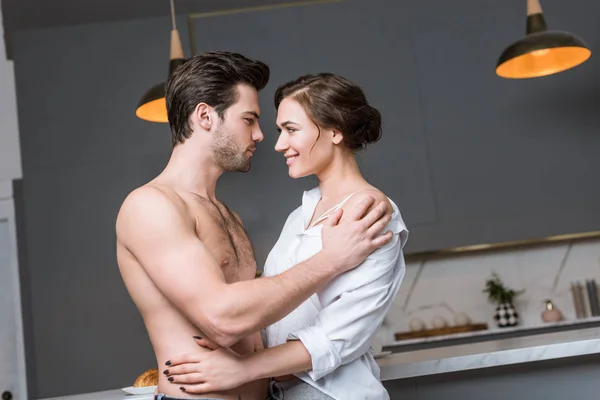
{"x": 510, "y": 159}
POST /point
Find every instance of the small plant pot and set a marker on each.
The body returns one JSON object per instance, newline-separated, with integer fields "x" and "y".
{"x": 506, "y": 315}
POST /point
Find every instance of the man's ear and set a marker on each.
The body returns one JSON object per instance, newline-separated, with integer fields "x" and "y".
{"x": 337, "y": 137}
{"x": 203, "y": 116}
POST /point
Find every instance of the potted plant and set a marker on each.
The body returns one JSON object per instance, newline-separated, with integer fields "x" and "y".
{"x": 503, "y": 297}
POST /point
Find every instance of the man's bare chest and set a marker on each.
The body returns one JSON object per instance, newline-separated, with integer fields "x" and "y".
{"x": 224, "y": 236}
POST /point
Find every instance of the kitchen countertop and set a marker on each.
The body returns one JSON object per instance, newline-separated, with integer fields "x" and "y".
{"x": 492, "y": 353}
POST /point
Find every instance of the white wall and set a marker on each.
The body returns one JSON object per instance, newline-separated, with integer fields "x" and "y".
{"x": 10, "y": 169}
{"x": 443, "y": 287}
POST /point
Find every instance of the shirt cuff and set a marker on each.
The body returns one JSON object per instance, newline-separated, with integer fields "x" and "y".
{"x": 324, "y": 356}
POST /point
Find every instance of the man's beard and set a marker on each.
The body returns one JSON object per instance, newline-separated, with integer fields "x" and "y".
{"x": 228, "y": 153}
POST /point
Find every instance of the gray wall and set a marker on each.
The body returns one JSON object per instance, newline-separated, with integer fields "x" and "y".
{"x": 469, "y": 157}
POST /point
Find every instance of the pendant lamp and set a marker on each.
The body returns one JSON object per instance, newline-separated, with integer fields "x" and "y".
{"x": 153, "y": 106}
{"x": 541, "y": 52}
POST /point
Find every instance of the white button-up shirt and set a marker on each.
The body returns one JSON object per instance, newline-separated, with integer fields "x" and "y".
{"x": 337, "y": 324}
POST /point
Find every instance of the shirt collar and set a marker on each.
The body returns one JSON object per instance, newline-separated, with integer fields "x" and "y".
{"x": 310, "y": 198}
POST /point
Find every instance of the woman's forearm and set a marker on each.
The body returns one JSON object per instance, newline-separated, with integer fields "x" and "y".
{"x": 288, "y": 358}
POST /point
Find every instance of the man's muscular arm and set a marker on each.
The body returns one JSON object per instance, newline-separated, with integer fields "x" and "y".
{"x": 161, "y": 235}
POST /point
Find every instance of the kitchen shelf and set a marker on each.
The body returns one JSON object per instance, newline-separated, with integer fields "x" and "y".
{"x": 490, "y": 334}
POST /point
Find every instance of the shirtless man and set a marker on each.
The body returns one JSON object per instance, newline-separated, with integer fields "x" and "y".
{"x": 184, "y": 256}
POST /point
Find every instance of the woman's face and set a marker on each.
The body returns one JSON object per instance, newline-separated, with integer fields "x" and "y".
{"x": 306, "y": 151}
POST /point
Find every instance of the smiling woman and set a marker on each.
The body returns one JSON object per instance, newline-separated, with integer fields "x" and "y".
{"x": 322, "y": 105}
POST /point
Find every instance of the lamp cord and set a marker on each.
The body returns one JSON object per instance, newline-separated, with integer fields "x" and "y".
{"x": 173, "y": 15}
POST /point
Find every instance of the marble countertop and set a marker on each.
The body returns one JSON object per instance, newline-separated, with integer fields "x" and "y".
{"x": 492, "y": 353}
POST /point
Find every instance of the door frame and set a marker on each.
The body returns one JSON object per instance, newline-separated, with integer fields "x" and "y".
{"x": 7, "y": 213}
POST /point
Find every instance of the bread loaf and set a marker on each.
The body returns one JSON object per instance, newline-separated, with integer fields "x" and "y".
{"x": 148, "y": 378}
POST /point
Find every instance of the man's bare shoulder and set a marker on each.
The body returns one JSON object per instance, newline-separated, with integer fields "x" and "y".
{"x": 368, "y": 192}
{"x": 150, "y": 202}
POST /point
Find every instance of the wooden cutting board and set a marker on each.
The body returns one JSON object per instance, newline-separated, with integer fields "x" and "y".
{"x": 449, "y": 330}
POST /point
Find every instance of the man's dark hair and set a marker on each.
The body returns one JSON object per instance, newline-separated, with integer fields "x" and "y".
{"x": 209, "y": 78}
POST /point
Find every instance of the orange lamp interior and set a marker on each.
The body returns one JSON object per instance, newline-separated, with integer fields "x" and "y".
{"x": 543, "y": 62}
{"x": 153, "y": 111}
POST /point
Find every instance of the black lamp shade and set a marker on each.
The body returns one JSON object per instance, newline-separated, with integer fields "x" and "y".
{"x": 153, "y": 106}
{"x": 542, "y": 53}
